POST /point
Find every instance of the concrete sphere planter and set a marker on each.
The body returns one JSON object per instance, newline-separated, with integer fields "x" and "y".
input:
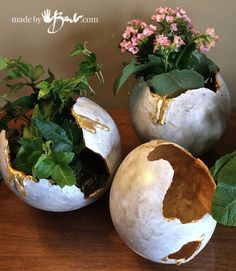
{"x": 160, "y": 203}
{"x": 101, "y": 138}
{"x": 196, "y": 119}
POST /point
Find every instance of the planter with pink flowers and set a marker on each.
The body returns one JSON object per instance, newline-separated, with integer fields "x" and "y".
{"x": 179, "y": 94}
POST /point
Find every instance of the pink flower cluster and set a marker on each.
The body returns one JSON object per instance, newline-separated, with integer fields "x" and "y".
{"x": 136, "y": 31}
{"x": 206, "y": 41}
{"x": 171, "y": 17}
{"x": 174, "y": 29}
{"x": 163, "y": 43}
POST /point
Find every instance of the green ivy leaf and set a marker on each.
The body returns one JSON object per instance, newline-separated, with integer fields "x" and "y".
{"x": 34, "y": 156}
{"x": 63, "y": 157}
{"x": 63, "y": 175}
{"x": 14, "y": 74}
{"x": 174, "y": 83}
{"x": 25, "y": 69}
{"x": 45, "y": 89}
{"x": 28, "y": 154}
{"x": 38, "y": 71}
{"x": 25, "y": 101}
{"x": 44, "y": 167}
{"x": 89, "y": 66}
{"x": 3, "y": 63}
{"x": 66, "y": 86}
{"x": 79, "y": 50}
{"x": 73, "y": 131}
{"x": 15, "y": 87}
{"x": 21, "y": 163}
{"x": 53, "y": 132}
{"x": 31, "y": 144}
{"x": 51, "y": 77}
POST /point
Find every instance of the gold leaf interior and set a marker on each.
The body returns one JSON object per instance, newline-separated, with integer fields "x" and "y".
{"x": 185, "y": 252}
{"x": 189, "y": 196}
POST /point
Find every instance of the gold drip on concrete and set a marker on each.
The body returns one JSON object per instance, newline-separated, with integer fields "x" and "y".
{"x": 160, "y": 110}
{"x": 88, "y": 124}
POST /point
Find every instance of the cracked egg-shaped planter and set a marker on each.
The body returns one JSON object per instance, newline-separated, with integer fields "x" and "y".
{"x": 160, "y": 202}
{"x": 196, "y": 119}
{"x": 102, "y": 141}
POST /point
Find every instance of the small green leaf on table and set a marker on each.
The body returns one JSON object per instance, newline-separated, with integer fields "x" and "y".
{"x": 220, "y": 163}
{"x": 224, "y": 200}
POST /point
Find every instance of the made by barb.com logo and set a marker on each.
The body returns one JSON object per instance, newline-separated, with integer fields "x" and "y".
{"x": 55, "y": 19}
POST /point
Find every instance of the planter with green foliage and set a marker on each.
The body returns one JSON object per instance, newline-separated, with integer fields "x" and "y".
{"x": 60, "y": 154}
{"x": 179, "y": 95}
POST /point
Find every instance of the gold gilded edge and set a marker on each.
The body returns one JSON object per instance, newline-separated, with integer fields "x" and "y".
{"x": 217, "y": 82}
{"x": 161, "y": 108}
{"x": 180, "y": 261}
{"x": 88, "y": 124}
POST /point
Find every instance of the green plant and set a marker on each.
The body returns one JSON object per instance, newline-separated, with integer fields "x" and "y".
{"x": 49, "y": 144}
{"x": 224, "y": 200}
{"x": 171, "y": 50}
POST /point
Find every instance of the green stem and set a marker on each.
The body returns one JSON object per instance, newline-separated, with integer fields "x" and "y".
{"x": 166, "y": 62}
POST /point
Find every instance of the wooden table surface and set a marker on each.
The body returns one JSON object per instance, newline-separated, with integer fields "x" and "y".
{"x": 34, "y": 240}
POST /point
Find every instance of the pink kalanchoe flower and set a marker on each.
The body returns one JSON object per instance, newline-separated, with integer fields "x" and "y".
{"x": 181, "y": 11}
{"x": 158, "y": 17}
{"x": 135, "y": 31}
{"x": 125, "y": 45}
{"x": 134, "y": 40}
{"x": 178, "y": 41}
{"x": 211, "y": 33}
{"x": 161, "y": 10}
{"x": 171, "y": 11}
{"x": 141, "y": 36}
{"x": 163, "y": 40}
{"x": 128, "y": 46}
{"x": 169, "y": 19}
{"x": 133, "y": 49}
{"x": 204, "y": 44}
{"x": 126, "y": 34}
{"x": 130, "y": 29}
{"x": 152, "y": 27}
{"x": 173, "y": 27}
{"x": 136, "y": 23}
{"x": 149, "y": 30}
{"x": 204, "y": 48}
